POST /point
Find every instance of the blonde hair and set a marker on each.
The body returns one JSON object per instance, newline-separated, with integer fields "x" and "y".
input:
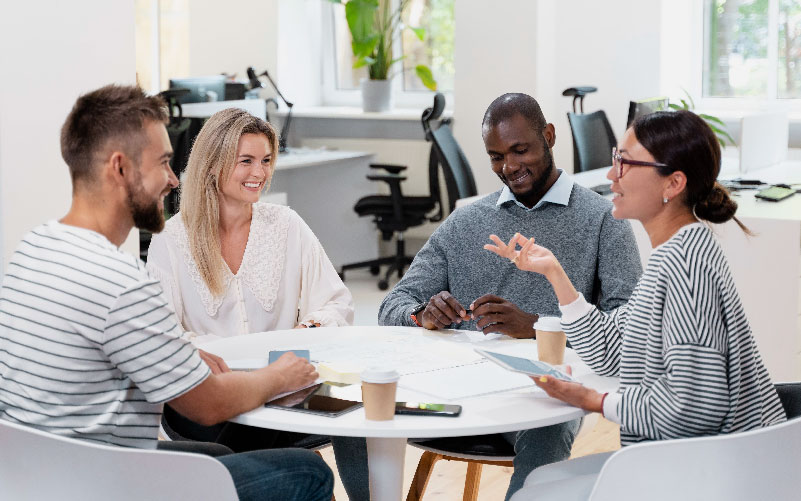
{"x": 210, "y": 163}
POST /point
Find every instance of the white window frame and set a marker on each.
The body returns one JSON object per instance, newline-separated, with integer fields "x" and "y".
{"x": 332, "y": 96}
{"x": 742, "y": 104}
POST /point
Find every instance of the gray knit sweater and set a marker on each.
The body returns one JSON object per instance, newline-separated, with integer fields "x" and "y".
{"x": 598, "y": 253}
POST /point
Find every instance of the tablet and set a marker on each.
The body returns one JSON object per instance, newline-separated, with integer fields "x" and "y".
{"x": 318, "y": 399}
{"x": 524, "y": 365}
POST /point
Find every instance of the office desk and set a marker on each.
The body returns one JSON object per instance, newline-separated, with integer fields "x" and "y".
{"x": 766, "y": 268}
{"x": 386, "y": 441}
{"x": 322, "y": 186}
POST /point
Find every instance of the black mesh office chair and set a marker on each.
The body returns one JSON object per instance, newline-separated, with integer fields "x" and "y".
{"x": 395, "y": 213}
{"x": 593, "y": 138}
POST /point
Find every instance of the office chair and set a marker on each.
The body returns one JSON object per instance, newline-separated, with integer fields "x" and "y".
{"x": 757, "y": 464}
{"x": 593, "y": 138}
{"x": 393, "y": 214}
{"x": 40, "y": 465}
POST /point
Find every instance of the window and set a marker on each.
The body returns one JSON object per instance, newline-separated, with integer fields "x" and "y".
{"x": 162, "y": 42}
{"x": 436, "y": 50}
{"x": 752, "y": 49}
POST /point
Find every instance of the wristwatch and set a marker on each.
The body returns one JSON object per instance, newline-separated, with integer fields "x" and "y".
{"x": 416, "y": 309}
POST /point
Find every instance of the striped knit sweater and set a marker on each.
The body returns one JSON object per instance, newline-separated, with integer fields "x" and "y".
{"x": 682, "y": 347}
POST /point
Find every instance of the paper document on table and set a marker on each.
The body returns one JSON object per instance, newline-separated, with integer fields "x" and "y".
{"x": 482, "y": 378}
{"x": 407, "y": 354}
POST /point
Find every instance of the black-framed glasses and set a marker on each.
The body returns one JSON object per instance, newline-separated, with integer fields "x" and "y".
{"x": 618, "y": 161}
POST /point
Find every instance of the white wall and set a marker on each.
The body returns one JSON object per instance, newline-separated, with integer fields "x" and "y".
{"x": 50, "y": 55}
{"x": 230, "y": 36}
{"x": 544, "y": 47}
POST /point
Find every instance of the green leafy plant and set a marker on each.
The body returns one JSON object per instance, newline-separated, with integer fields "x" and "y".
{"x": 373, "y": 25}
{"x": 716, "y": 124}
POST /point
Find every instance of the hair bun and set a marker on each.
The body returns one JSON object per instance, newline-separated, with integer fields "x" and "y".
{"x": 718, "y": 207}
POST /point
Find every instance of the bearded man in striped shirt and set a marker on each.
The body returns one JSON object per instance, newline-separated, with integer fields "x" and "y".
{"x": 90, "y": 348}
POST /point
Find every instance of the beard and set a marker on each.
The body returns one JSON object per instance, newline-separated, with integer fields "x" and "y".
{"x": 539, "y": 183}
{"x": 144, "y": 210}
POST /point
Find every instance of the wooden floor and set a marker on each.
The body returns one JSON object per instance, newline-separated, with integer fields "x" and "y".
{"x": 446, "y": 484}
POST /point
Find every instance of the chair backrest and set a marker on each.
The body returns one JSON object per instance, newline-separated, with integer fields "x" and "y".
{"x": 459, "y": 179}
{"x": 38, "y": 465}
{"x": 790, "y": 395}
{"x": 593, "y": 140}
{"x": 757, "y": 464}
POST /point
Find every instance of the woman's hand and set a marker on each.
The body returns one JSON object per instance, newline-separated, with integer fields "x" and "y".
{"x": 531, "y": 257}
{"x": 571, "y": 393}
{"x": 215, "y": 363}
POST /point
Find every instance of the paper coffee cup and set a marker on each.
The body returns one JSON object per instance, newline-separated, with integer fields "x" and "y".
{"x": 378, "y": 393}
{"x": 551, "y": 340}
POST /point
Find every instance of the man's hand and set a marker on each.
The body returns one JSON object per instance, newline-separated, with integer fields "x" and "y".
{"x": 442, "y": 310}
{"x": 215, "y": 363}
{"x": 495, "y": 314}
{"x": 295, "y": 372}
{"x": 572, "y": 393}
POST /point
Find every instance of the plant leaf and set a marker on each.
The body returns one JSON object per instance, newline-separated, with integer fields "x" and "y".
{"x": 710, "y": 118}
{"x": 420, "y": 32}
{"x": 425, "y": 75}
{"x": 360, "y": 15}
{"x": 336, "y": 1}
{"x": 674, "y": 106}
{"x": 365, "y": 47}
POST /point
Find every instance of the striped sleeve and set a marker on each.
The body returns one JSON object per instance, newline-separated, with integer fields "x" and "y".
{"x": 600, "y": 352}
{"x": 143, "y": 340}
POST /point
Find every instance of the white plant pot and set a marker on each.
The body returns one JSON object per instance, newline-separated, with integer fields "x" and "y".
{"x": 376, "y": 95}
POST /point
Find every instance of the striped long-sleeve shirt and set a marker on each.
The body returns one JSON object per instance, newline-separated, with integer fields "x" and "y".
{"x": 682, "y": 347}
{"x": 89, "y": 347}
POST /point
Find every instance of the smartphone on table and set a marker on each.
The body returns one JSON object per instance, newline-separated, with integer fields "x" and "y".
{"x": 427, "y": 409}
{"x": 775, "y": 193}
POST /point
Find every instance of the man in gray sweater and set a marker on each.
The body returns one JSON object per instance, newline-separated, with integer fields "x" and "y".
{"x": 453, "y": 272}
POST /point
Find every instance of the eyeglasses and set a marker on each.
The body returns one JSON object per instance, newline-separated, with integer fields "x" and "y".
{"x": 618, "y": 162}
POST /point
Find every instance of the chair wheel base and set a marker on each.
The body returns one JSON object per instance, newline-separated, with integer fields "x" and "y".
{"x": 375, "y": 270}
{"x": 383, "y": 285}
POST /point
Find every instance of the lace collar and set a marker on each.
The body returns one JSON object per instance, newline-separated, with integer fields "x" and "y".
{"x": 262, "y": 264}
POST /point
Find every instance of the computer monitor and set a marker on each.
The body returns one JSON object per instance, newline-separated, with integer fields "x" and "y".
{"x": 201, "y": 89}
{"x": 645, "y": 107}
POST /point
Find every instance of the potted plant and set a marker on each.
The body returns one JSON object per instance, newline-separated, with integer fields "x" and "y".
{"x": 373, "y": 25}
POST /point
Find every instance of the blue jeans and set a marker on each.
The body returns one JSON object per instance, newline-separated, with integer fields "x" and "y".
{"x": 280, "y": 474}
{"x": 533, "y": 448}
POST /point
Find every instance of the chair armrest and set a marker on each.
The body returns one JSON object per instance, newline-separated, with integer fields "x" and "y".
{"x": 394, "y": 169}
{"x": 390, "y": 178}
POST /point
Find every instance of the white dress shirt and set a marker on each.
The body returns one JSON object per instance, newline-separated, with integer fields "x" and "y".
{"x": 285, "y": 279}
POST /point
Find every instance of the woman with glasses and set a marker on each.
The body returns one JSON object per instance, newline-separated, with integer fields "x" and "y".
{"x": 682, "y": 347}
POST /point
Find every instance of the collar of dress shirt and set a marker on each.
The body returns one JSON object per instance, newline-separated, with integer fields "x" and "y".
{"x": 559, "y": 193}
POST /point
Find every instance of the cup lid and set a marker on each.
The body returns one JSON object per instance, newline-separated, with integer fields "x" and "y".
{"x": 379, "y": 375}
{"x": 549, "y": 324}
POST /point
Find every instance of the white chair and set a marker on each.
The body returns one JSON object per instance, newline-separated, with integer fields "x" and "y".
{"x": 758, "y": 464}
{"x": 37, "y": 465}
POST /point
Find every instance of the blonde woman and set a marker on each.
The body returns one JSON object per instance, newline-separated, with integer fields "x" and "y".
{"x": 231, "y": 265}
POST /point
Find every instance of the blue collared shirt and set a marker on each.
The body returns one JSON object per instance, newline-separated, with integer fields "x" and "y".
{"x": 559, "y": 193}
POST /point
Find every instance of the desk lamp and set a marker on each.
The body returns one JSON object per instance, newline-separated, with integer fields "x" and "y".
{"x": 255, "y": 83}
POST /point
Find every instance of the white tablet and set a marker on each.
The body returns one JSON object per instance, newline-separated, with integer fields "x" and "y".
{"x": 524, "y": 365}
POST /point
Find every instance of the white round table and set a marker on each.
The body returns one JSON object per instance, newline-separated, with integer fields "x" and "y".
{"x": 386, "y": 440}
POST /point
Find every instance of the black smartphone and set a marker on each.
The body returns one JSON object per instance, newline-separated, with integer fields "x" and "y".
{"x": 775, "y": 193}
{"x": 427, "y": 409}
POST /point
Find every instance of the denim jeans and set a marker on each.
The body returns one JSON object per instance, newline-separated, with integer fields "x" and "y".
{"x": 278, "y": 474}
{"x": 533, "y": 448}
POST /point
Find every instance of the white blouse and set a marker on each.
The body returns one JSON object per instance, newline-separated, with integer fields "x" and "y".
{"x": 285, "y": 279}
